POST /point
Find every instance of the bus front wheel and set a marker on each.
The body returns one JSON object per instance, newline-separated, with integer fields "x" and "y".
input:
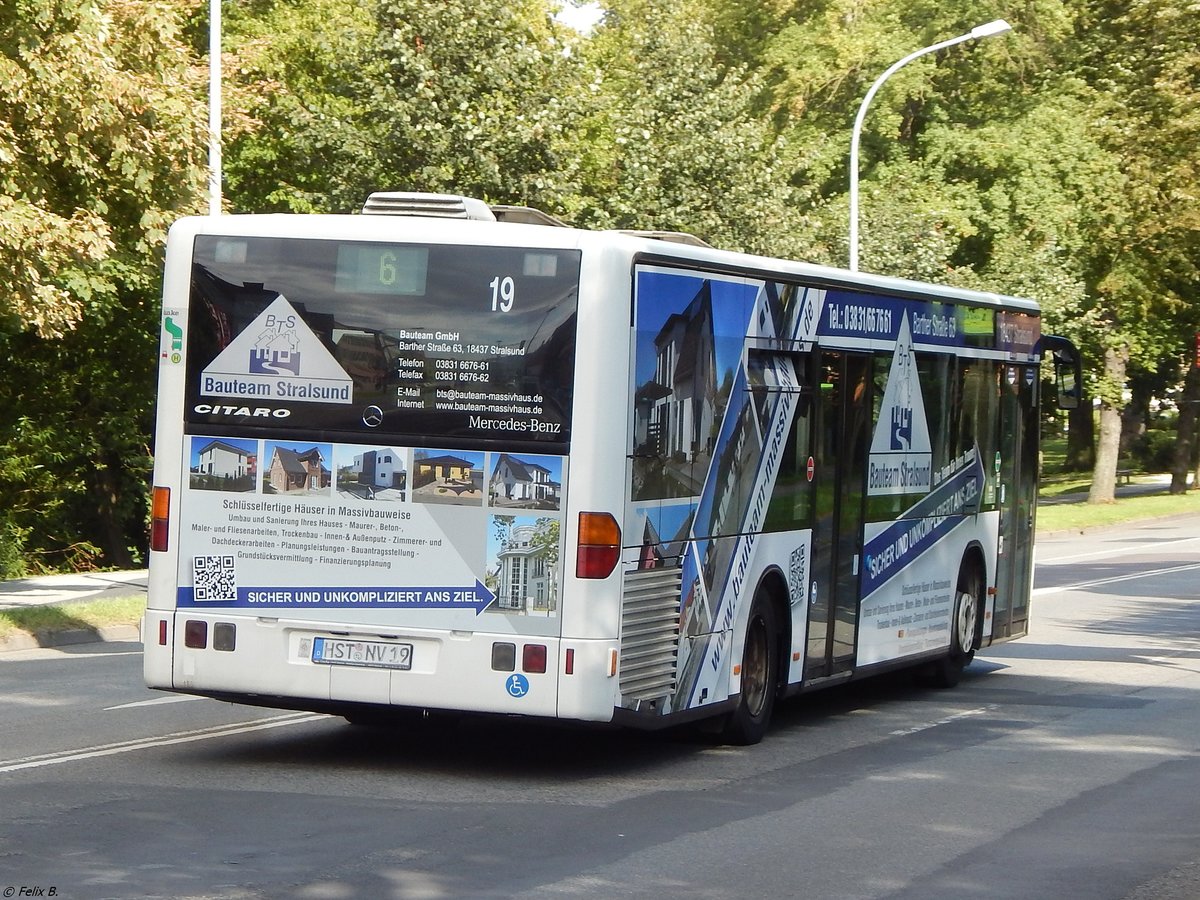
{"x": 964, "y": 626}
{"x": 760, "y": 676}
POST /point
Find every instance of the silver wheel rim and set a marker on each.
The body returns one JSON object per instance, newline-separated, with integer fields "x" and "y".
{"x": 968, "y": 615}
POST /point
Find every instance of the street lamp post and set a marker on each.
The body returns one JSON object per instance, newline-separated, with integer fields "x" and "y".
{"x": 214, "y": 108}
{"x": 997, "y": 27}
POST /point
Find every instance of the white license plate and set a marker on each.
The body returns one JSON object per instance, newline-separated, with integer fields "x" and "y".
{"x": 376, "y": 654}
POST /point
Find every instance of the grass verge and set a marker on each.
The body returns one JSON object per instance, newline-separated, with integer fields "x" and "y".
{"x": 88, "y": 615}
{"x": 1082, "y": 516}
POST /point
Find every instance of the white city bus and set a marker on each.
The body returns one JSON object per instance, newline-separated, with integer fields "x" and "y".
{"x": 445, "y": 457}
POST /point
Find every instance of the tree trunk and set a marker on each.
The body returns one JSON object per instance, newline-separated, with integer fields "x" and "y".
{"x": 105, "y": 490}
{"x": 1104, "y": 474}
{"x": 1181, "y": 461}
{"x": 1081, "y": 437}
{"x": 1136, "y": 414}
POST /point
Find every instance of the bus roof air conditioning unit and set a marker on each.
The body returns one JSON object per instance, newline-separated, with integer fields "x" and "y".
{"x": 439, "y": 206}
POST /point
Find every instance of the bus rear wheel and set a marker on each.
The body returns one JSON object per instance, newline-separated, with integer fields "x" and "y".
{"x": 760, "y": 676}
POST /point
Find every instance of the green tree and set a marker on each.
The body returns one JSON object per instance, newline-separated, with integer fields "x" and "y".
{"x": 472, "y": 99}
{"x": 101, "y": 140}
{"x": 343, "y": 98}
{"x": 1052, "y": 162}
{"x": 666, "y": 136}
{"x": 300, "y": 135}
{"x": 1140, "y": 59}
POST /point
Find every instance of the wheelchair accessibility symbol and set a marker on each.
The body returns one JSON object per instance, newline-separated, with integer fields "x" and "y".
{"x": 517, "y": 685}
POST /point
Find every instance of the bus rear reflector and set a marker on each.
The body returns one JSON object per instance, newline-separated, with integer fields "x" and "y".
{"x": 160, "y": 516}
{"x": 504, "y": 657}
{"x": 599, "y": 547}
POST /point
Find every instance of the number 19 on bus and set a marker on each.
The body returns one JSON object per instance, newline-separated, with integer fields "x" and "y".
{"x": 503, "y": 291}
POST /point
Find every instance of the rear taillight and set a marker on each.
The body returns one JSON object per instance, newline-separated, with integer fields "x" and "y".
{"x": 533, "y": 658}
{"x": 599, "y": 547}
{"x": 195, "y": 634}
{"x": 160, "y": 515}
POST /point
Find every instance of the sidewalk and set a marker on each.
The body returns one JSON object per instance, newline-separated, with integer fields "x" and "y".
{"x": 55, "y": 589}
{"x": 62, "y": 591}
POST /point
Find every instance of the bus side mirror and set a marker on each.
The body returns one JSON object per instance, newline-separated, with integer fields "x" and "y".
{"x": 1068, "y": 370}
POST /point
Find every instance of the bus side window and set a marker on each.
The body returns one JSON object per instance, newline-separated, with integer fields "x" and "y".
{"x": 791, "y": 500}
{"x": 979, "y": 417}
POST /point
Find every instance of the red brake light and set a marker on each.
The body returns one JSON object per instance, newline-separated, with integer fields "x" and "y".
{"x": 533, "y": 658}
{"x": 195, "y": 634}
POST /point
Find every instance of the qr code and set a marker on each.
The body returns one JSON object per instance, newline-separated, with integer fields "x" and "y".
{"x": 214, "y": 579}
{"x": 797, "y": 573}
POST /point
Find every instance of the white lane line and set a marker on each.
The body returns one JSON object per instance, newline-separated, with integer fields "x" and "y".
{"x": 1081, "y": 585}
{"x": 166, "y": 740}
{"x": 966, "y": 714}
{"x": 157, "y": 701}
{"x": 1097, "y": 554}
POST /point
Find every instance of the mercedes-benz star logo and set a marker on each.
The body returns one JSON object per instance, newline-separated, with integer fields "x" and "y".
{"x": 373, "y": 417}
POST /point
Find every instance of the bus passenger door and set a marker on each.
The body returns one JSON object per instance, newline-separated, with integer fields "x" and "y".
{"x": 1017, "y": 498}
{"x": 842, "y": 411}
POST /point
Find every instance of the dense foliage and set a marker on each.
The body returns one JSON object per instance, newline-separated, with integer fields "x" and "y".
{"x": 100, "y": 149}
{"x": 1055, "y": 162}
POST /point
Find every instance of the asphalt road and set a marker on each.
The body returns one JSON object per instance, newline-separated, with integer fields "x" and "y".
{"x": 1065, "y": 765}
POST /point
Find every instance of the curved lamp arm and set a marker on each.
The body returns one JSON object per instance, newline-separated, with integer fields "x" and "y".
{"x": 999, "y": 26}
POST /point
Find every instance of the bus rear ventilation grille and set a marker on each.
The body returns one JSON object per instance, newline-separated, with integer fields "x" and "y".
{"x": 650, "y": 633}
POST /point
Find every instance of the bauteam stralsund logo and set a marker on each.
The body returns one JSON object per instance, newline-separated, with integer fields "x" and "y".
{"x": 901, "y": 459}
{"x": 277, "y": 357}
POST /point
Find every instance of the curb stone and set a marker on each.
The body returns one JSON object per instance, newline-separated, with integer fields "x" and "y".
{"x": 43, "y": 640}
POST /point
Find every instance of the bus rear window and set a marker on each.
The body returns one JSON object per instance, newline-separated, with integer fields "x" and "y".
{"x": 438, "y": 342}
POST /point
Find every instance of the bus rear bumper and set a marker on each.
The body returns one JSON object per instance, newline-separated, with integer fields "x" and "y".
{"x": 236, "y": 656}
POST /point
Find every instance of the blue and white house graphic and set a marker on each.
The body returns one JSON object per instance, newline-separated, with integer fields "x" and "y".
{"x": 277, "y": 357}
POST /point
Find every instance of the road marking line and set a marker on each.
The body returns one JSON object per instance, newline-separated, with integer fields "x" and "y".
{"x": 946, "y": 721}
{"x": 1140, "y": 548}
{"x": 157, "y": 701}
{"x": 178, "y": 737}
{"x": 1078, "y": 586}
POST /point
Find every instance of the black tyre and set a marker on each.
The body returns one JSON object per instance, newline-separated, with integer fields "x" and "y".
{"x": 964, "y": 626}
{"x": 760, "y": 676}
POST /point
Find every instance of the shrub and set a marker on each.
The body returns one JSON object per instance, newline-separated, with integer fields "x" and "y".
{"x": 12, "y": 550}
{"x": 1154, "y": 451}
